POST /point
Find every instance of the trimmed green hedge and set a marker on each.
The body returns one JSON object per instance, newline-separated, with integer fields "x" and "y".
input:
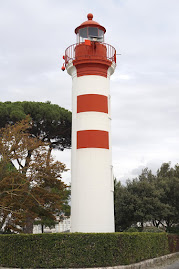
{"x": 80, "y": 250}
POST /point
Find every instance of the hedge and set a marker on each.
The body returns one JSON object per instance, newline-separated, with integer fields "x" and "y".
{"x": 173, "y": 241}
{"x": 77, "y": 250}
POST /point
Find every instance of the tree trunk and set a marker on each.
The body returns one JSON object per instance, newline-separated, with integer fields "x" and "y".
{"x": 169, "y": 223}
{"x": 156, "y": 223}
{"x": 42, "y": 228}
{"x": 26, "y": 166}
{"x": 160, "y": 222}
{"x": 49, "y": 155}
{"x": 28, "y": 229}
{"x": 3, "y": 220}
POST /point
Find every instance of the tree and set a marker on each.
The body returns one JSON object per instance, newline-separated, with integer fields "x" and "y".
{"x": 49, "y": 123}
{"x": 124, "y": 208}
{"x": 12, "y": 186}
{"x": 168, "y": 181}
{"x": 146, "y": 198}
{"x": 149, "y": 198}
{"x": 138, "y": 201}
{"x": 32, "y": 189}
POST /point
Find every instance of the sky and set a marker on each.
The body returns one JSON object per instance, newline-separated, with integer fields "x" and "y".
{"x": 144, "y": 88}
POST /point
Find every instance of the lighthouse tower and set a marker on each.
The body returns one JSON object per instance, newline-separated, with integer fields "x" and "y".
{"x": 90, "y": 62}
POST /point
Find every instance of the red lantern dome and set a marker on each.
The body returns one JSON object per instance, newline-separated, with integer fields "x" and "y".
{"x": 90, "y": 55}
{"x": 91, "y": 30}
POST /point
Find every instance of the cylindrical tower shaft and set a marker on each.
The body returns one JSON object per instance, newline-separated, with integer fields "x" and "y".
{"x": 90, "y": 64}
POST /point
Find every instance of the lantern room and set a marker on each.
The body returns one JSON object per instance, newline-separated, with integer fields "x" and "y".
{"x": 90, "y": 51}
{"x": 90, "y": 30}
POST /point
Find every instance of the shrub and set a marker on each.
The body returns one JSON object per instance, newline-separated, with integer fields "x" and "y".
{"x": 152, "y": 230}
{"x": 173, "y": 230}
{"x": 76, "y": 250}
{"x": 131, "y": 230}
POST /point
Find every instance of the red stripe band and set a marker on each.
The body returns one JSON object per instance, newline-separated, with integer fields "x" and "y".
{"x": 92, "y": 139}
{"x": 92, "y": 102}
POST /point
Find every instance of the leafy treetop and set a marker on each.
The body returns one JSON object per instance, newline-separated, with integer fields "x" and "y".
{"x": 51, "y": 123}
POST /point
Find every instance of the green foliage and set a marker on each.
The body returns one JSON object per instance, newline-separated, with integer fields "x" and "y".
{"x": 148, "y": 198}
{"x": 152, "y": 230}
{"x": 173, "y": 230}
{"x": 168, "y": 181}
{"x": 131, "y": 230}
{"x": 123, "y": 208}
{"x": 51, "y": 123}
{"x": 78, "y": 250}
{"x": 45, "y": 222}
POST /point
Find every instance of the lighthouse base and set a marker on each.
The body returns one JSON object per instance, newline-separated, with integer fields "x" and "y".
{"x": 92, "y": 202}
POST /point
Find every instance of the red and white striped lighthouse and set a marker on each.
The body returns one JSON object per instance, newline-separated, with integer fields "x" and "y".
{"x": 91, "y": 62}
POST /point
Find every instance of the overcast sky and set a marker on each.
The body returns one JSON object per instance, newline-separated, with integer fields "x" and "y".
{"x": 144, "y": 88}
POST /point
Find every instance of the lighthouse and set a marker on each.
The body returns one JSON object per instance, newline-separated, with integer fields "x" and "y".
{"x": 90, "y": 62}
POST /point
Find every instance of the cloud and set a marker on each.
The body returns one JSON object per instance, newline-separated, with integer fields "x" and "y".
{"x": 144, "y": 88}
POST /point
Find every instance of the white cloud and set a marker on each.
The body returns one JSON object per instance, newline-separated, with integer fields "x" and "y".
{"x": 117, "y": 77}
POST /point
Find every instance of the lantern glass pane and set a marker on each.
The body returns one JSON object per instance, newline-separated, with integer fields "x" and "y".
{"x": 83, "y": 32}
{"x": 92, "y": 31}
